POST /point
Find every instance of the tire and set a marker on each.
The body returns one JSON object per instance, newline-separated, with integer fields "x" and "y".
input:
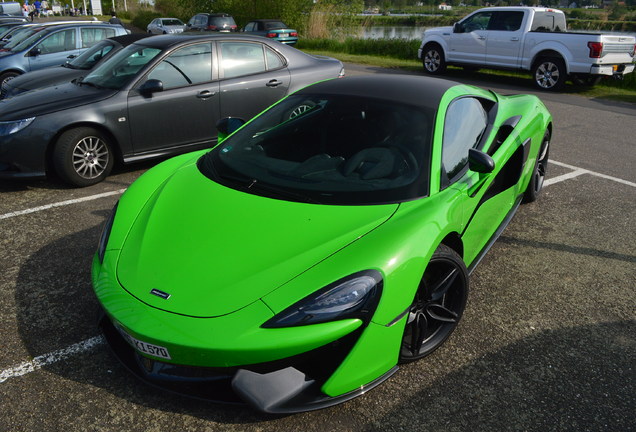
{"x": 7, "y": 76}
{"x": 83, "y": 157}
{"x": 433, "y": 59}
{"x": 540, "y": 168}
{"x": 437, "y": 307}
{"x": 549, "y": 73}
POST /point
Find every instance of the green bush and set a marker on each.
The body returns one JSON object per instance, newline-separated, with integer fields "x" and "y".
{"x": 143, "y": 18}
{"x": 403, "y": 49}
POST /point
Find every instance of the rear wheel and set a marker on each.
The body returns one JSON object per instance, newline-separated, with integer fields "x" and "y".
{"x": 433, "y": 59}
{"x": 540, "y": 169}
{"x": 549, "y": 73}
{"x": 438, "y": 305}
{"x": 83, "y": 156}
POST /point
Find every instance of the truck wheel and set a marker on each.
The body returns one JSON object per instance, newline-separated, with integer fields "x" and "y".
{"x": 433, "y": 59}
{"x": 549, "y": 73}
{"x": 83, "y": 157}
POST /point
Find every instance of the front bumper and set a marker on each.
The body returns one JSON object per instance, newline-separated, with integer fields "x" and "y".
{"x": 285, "y": 386}
{"x": 23, "y": 154}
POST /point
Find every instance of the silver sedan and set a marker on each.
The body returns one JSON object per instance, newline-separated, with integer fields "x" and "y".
{"x": 166, "y": 26}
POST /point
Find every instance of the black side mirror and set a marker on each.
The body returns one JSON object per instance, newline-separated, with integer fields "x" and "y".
{"x": 480, "y": 162}
{"x": 35, "y": 52}
{"x": 457, "y": 28}
{"x": 151, "y": 86}
{"x": 226, "y": 126}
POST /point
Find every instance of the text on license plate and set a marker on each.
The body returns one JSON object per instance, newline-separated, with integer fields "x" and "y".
{"x": 145, "y": 347}
{"x": 283, "y": 35}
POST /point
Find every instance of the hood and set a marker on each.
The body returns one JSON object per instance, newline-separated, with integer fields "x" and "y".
{"x": 44, "y": 78}
{"x": 216, "y": 250}
{"x": 439, "y": 30}
{"x": 50, "y": 99}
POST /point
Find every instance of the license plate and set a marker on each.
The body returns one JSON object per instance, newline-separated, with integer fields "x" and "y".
{"x": 283, "y": 34}
{"x": 145, "y": 347}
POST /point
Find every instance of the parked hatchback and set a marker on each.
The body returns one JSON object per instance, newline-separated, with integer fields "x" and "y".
{"x": 51, "y": 45}
{"x": 273, "y": 29}
{"x": 165, "y": 26}
{"x": 160, "y": 96}
{"x": 220, "y": 22}
{"x": 75, "y": 68}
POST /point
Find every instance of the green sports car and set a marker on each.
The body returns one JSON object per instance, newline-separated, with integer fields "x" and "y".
{"x": 318, "y": 246}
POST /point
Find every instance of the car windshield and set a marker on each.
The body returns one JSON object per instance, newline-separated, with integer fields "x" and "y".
{"x": 169, "y": 22}
{"x": 120, "y": 69}
{"x": 89, "y": 58}
{"x": 331, "y": 149}
{"x": 274, "y": 25}
{"x": 21, "y": 35}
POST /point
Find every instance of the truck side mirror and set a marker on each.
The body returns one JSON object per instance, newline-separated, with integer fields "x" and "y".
{"x": 457, "y": 28}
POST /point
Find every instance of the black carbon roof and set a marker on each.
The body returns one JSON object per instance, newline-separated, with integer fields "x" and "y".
{"x": 410, "y": 89}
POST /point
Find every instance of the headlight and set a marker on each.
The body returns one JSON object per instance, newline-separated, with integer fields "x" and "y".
{"x": 10, "y": 127}
{"x": 103, "y": 238}
{"x": 355, "y": 296}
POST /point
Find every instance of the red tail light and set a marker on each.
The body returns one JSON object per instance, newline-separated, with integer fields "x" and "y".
{"x": 294, "y": 34}
{"x": 596, "y": 48}
{"x": 271, "y": 35}
{"x": 233, "y": 27}
{"x": 211, "y": 27}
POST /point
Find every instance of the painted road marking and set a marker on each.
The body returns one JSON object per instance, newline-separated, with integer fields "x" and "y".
{"x": 578, "y": 171}
{"x": 46, "y": 359}
{"x": 61, "y": 204}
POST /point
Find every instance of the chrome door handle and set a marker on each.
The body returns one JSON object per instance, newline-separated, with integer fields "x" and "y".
{"x": 205, "y": 94}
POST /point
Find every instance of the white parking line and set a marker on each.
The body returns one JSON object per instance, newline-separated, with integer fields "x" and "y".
{"x": 47, "y": 359}
{"x": 61, "y": 204}
{"x": 578, "y": 171}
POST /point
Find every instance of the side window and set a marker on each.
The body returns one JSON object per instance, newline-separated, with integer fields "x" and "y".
{"x": 58, "y": 42}
{"x": 465, "y": 122}
{"x": 241, "y": 58}
{"x": 186, "y": 66}
{"x": 273, "y": 60}
{"x": 250, "y": 27}
{"x": 201, "y": 20}
{"x": 479, "y": 21}
{"x": 506, "y": 21}
{"x": 90, "y": 36}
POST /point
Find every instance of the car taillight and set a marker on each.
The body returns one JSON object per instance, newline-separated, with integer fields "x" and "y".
{"x": 293, "y": 34}
{"x": 271, "y": 35}
{"x": 211, "y": 27}
{"x": 596, "y": 48}
{"x": 233, "y": 27}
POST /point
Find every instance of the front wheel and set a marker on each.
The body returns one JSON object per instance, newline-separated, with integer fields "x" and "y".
{"x": 433, "y": 59}
{"x": 438, "y": 305}
{"x": 540, "y": 169}
{"x": 7, "y": 76}
{"x": 83, "y": 157}
{"x": 549, "y": 73}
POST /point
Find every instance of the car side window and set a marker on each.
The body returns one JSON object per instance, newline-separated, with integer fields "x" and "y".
{"x": 465, "y": 122}
{"x": 250, "y": 26}
{"x": 58, "y": 42}
{"x": 273, "y": 60}
{"x": 506, "y": 21}
{"x": 186, "y": 66}
{"x": 479, "y": 21}
{"x": 90, "y": 36}
{"x": 241, "y": 58}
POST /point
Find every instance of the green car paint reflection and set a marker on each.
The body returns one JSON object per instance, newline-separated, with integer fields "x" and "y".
{"x": 326, "y": 241}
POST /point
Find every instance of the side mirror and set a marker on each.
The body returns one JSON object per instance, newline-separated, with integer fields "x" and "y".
{"x": 480, "y": 162}
{"x": 457, "y": 28}
{"x": 151, "y": 86}
{"x": 35, "y": 52}
{"x": 71, "y": 57}
{"x": 226, "y": 126}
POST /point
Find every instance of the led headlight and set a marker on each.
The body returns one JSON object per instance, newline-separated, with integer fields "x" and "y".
{"x": 103, "y": 238}
{"x": 10, "y": 127}
{"x": 355, "y": 296}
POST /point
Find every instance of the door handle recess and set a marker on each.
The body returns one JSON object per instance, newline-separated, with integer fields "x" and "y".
{"x": 274, "y": 83}
{"x": 205, "y": 94}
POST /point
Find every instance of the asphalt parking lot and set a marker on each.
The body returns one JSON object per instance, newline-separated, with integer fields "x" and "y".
{"x": 547, "y": 343}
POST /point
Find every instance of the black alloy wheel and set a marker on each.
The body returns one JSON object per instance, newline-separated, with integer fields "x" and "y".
{"x": 540, "y": 169}
{"x": 438, "y": 305}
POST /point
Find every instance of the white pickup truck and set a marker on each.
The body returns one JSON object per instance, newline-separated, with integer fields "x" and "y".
{"x": 527, "y": 38}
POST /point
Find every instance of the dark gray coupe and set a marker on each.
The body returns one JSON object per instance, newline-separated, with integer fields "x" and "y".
{"x": 159, "y": 96}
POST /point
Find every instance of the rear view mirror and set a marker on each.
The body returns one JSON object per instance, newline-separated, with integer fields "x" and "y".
{"x": 226, "y": 126}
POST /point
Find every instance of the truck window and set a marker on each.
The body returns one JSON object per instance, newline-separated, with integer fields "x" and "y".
{"x": 478, "y": 21}
{"x": 506, "y": 21}
{"x": 548, "y": 22}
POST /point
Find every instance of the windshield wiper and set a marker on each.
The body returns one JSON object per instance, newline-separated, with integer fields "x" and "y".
{"x": 81, "y": 82}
